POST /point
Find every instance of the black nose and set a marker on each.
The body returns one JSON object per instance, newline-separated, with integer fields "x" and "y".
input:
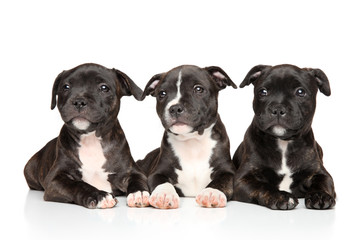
{"x": 176, "y": 110}
{"x": 278, "y": 110}
{"x": 79, "y": 103}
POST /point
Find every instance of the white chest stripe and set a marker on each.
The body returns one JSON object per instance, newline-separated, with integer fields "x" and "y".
{"x": 92, "y": 158}
{"x": 285, "y": 170}
{"x": 194, "y": 152}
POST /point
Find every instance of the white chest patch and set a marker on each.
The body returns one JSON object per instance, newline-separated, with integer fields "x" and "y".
{"x": 92, "y": 158}
{"x": 284, "y": 170}
{"x": 194, "y": 152}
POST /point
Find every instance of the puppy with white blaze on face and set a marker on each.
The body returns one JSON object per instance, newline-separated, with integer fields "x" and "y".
{"x": 194, "y": 157}
{"x": 279, "y": 160}
{"x": 89, "y": 163}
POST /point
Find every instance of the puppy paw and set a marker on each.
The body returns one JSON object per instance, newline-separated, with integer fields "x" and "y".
{"x": 107, "y": 202}
{"x": 210, "y": 197}
{"x": 164, "y": 196}
{"x": 282, "y": 201}
{"x": 102, "y": 200}
{"x": 319, "y": 200}
{"x": 138, "y": 199}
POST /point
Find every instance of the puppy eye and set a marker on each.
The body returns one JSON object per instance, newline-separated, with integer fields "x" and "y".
{"x": 198, "y": 89}
{"x": 263, "y": 92}
{"x": 162, "y": 94}
{"x": 300, "y": 92}
{"x": 104, "y": 88}
{"x": 66, "y": 87}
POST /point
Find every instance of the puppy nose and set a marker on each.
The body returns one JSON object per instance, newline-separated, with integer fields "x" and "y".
{"x": 278, "y": 110}
{"x": 176, "y": 110}
{"x": 79, "y": 103}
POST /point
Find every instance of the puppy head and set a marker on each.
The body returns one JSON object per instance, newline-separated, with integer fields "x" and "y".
{"x": 285, "y": 97}
{"x": 88, "y": 96}
{"x": 187, "y": 97}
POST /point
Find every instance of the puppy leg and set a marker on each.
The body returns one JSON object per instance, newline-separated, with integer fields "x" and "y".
{"x": 31, "y": 174}
{"x": 103, "y": 201}
{"x": 278, "y": 200}
{"x": 164, "y": 196}
{"x": 62, "y": 188}
{"x": 37, "y": 168}
{"x": 319, "y": 200}
{"x": 138, "y": 190}
{"x": 321, "y": 194}
{"x": 250, "y": 189}
{"x": 219, "y": 190}
{"x": 210, "y": 197}
{"x": 138, "y": 199}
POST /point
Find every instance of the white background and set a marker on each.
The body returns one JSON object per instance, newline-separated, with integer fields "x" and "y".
{"x": 39, "y": 39}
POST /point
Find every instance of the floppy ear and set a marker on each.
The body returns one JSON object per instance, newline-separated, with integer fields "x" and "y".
{"x": 128, "y": 86}
{"x": 321, "y": 79}
{"x": 220, "y": 77}
{"x": 253, "y": 75}
{"x": 55, "y": 88}
{"x": 151, "y": 85}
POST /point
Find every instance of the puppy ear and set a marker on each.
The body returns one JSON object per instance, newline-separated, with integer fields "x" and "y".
{"x": 220, "y": 77}
{"x": 321, "y": 79}
{"x": 128, "y": 86}
{"x": 55, "y": 89}
{"x": 151, "y": 85}
{"x": 253, "y": 75}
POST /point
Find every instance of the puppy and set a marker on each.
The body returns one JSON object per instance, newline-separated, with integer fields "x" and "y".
{"x": 194, "y": 158}
{"x": 279, "y": 160}
{"x": 90, "y": 161}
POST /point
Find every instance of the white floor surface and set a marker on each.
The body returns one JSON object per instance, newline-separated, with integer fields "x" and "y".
{"x": 29, "y": 217}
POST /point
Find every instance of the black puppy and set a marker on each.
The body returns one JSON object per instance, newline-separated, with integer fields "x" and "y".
{"x": 279, "y": 159}
{"x": 194, "y": 157}
{"x": 90, "y": 161}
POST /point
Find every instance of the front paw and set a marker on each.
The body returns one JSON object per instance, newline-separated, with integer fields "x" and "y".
{"x": 101, "y": 200}
{"x": 164, "y": 196}
{"x": 210, "y": 197}
{"x": 138, "y": 199}
{"x": 319, "y": 200}
{"x": 281, "y": 201}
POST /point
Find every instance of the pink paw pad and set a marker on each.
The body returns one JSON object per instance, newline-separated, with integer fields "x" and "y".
{"x": 138, "y": 199}
{"x": 107, "y": 202}
{"x": 164, "y": 201}
{"x": 164, "y": 196}
{"x": 210, "y": 197}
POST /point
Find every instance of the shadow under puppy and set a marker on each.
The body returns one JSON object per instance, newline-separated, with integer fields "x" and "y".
{"x": 279, "y": 159}
{"x": 90, "y": 161}
{"x": 194, "y": 157}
